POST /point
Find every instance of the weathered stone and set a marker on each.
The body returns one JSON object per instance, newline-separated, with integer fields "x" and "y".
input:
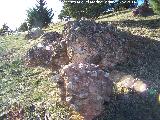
{"x": 34, "y": 33}
{"x": 38, "y": 56}
{"x": 51, "y": 52}
{"x": 50, "y": 37}
{"x": 86, "y": 87}
{"x": 91, "y": 42}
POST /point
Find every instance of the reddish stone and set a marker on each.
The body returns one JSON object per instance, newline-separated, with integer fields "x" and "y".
{"x": 51, "y": 52}
{"x": 91, "y": 42}
{"x": 85, "y": 87}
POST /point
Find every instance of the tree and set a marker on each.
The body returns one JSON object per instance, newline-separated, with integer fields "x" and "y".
{"x": 124, "y": 4}
{"x": 23, "y": 27}
{"x": 39, "y": 16}
{"x": 63, "y": 14}
{"x": 84, "y": 8}
{"x": 89, "y": 8}
{"x": 5, "y": 29}
{"x": 155, "y": 4}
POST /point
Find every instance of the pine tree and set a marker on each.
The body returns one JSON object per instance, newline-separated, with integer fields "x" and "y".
{"x": 4, "y": 29}
{"x": 83, "y": 8}
{"x": 63, "y": 14}
{"x": 92, "y": 8}
{"x": 39, "y": 16}
{"x": 23, "y": 27}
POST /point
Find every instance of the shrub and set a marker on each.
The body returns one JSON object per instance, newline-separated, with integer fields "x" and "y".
{"x": 155, "y": 4}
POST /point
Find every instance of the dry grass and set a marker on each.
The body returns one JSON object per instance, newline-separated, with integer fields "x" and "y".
{"x": 142, "y": 26}
{"x": 142, "y": 64}
{"x": 27, "y": 86}
{"x": 58, "y": 27}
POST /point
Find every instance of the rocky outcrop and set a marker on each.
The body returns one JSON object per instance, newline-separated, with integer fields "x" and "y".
{"x": 50, "y": 37}
{"x": 90, "y": 48}
{"x": 51, "y": 52}
{"x": 34, "y": 33}
{"x": 85, "y": 41}
{"x": 91, "y": 42}
{"x": 85, "y": 87}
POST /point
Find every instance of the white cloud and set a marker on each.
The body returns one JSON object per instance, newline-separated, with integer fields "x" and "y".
{"x": 13, "y": 12}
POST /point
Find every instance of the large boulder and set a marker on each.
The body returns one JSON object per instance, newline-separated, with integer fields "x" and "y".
{"x": 85, "y": 87}
{"x": 91, "y": 42}
{"x": 50, "y": 37}
{"x": 34, "y": 33}
{"x": 51, "y": 53}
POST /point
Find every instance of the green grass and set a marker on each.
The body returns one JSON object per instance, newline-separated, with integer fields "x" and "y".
{"x": 58, "y": 27}
{"x": 142, "y": 63}
{"x": 26, "y": 86}
{"x": 143, "y": 26}
{"x": 144, "y": 36}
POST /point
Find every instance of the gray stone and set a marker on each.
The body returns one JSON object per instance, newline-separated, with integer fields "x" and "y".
{"x": 88, "y": 91}
{"x": 51, "y": 52}
{"x": 34, "y": 33}
{"x": 91, "y": 42}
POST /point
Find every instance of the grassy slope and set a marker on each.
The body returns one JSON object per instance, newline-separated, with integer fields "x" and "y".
{"x": 55, "y": 27}
{"x": 26, "y": 86}
{"x": 143, "y": 26}
{"x": 143, "y": 64}
{"x": 145, "y": 45}
{"x": 34, "y": 85}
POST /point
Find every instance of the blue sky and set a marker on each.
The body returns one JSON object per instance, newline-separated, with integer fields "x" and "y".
{"x": 140, "y": 2}
{"x": 13, "y": 12}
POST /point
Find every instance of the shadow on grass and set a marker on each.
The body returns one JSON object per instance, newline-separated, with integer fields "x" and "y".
{"x": 113, "y": 14}
{"x": 142, "y": 62}
{"x": 151, "y": 24}
{"x": 131, "y": 106}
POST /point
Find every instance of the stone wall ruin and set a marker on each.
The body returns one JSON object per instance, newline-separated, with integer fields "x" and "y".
{"x": 81, "y": 56}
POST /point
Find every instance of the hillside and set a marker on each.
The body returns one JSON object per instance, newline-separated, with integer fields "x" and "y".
{"x": 25, "y": 86}
{"x": 145, "y": 31}
{"x": 144, "y": 26}
{"x": 143, "y": 63}
{"x": 33, "y": 91}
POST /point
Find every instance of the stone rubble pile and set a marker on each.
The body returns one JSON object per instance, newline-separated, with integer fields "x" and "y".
{"x": 85, "y": 87}
{"x": 51, "y": 52}
{"x": 91, "y": 42}
{"x": 34, "y": 33}
{"x": 81, "y": 55}
{"x": 50, "y": 37}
